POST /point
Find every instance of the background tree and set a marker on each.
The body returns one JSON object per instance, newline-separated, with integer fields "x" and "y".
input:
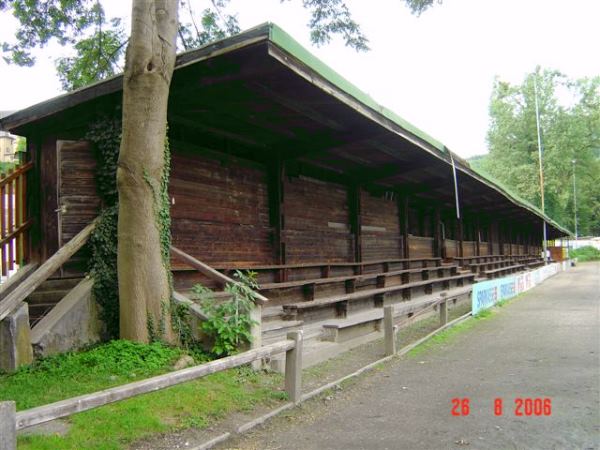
{"x": 570, "y": 122}
{"x": 143, "y": 271}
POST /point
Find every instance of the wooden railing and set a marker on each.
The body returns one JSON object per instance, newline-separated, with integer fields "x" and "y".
{"x": 211, "y": 273}
{"x": 52, "y": 264}
{"x": 14, "y": 222}
{"x": 12, "y": 421}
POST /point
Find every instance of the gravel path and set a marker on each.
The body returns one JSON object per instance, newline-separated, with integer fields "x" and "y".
{"x": 544, "y": 344}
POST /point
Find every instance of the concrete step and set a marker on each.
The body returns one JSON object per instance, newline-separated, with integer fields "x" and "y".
{"x": 275, "y": 331}
{"x": 54, "y": 284}
{"x": 272, "y": 313}
{"x": 53, "y": 296}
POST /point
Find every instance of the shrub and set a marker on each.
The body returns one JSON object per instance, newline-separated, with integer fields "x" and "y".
{"x": 587, "y": 253}
{"x": 229, "y": 322}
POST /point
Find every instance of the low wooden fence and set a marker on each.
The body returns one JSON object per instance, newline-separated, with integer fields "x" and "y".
{"x": 14, "y": 223}
{"x": 12, "y": 421}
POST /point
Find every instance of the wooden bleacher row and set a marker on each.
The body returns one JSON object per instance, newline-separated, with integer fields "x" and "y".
{"x": 497, "y": 266}
{"x": 291, "y": 272}
{"x": 467, "y": 260}
{"x": 369, "y": 282}
{"x": 342, "y": 302}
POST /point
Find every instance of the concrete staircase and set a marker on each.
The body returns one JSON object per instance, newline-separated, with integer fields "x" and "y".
{"x": 47, "y": 295}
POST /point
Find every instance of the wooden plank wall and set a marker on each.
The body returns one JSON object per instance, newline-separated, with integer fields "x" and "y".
{"x": 317, "y": 222}
{"x": 420, "y": 247}
{"x": 380, "y": 228}
{"x": 219, "y": 210}
{"x": 451, "y": 248}
{"x": 484, "y": 248}
{"x": 469, "y": 248}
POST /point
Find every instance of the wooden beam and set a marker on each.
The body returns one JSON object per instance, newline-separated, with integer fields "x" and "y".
{"x": 354, "y": 206}
{"x": 459, "y": 232}
{"x": 50, "y": 266}
{"x": 438, "y": 243}
{"x": 404, "y": 224}
{"x": 275, "y": 186}
{"x": 210, "y": 272}
{"x": 478, "y": 235}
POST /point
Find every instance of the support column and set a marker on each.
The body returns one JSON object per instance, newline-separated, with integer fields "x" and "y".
{"x": 438, "y": 244}
{"x": 275, "y": 179}
{"x": 459, "y": 232}
{"x": 490, "y": 239}
{"x": 354, "y": 193}
{"x": 404, "y": 225}
{"x": 478, "y": 236}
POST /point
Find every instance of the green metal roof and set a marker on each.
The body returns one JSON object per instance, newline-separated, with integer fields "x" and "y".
{"x": 283, "y": 40}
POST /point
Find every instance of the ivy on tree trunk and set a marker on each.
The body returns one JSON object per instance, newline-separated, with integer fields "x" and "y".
{"x": 144, "y": 287}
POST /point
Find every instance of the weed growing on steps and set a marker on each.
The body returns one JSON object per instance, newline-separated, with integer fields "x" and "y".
{"x": 229, "y": 322}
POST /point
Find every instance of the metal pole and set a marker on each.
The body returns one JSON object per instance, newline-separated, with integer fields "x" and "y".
{"x": 575, "y": 199}
{"x": 539, "y": 138}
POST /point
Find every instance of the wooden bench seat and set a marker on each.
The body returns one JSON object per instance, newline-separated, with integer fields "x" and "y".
{"x": 378, "y": 294}
{"x": 283, "y": 272}
{"x": 310, "y": 285}
{"x": 483, "y": 266}
{"x": 344, "y": 329}
{"x": 495, "y": 273}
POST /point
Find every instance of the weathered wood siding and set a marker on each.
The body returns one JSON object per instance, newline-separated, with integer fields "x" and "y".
{"x": 484, "y": 248}
{"x": 451, "y": 247}
{"x": 219, "y": 210}
{"x": 420, "y": 247}
{"x": 380, "y": 228}
{"x": 469, "y": 248}
{"x": 317, "y": 224}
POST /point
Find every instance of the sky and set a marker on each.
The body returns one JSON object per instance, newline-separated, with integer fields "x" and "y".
{"x": 436, "y": 71}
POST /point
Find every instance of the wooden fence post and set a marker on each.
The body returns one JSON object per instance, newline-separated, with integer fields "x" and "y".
{"x": 256, "y": 332}
{"x": 443, "y": 312}
{"x": 8, "y": 426}
{"x": 293, "y": 367}
{"x": 388, "y": 330}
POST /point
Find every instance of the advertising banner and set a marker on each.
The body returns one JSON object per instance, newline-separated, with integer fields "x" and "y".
{"x": 488, "y": 293}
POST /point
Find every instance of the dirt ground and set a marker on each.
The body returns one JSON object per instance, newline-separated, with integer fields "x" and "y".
{"x": 545, "y": 344}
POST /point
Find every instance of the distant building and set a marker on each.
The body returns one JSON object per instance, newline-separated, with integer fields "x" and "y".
{"x": 8, "y": 144}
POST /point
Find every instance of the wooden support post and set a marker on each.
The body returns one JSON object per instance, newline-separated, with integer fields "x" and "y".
{"x": 478, "y": 236}
{"x": 443, "y": 313}
{"x": 438, "y": 244}
{"x": 389, "y": 331}
{"x": 354, "y": 203}
{"x": 8, "y": 426}
{"x": 293, "y": 368}
{"x": 275, "y": 179}
{"x": 256, "y": 332}
{"x": 404, "y": 225}
{"x": 459, "y": 231}
{"x": 490, "y": 240}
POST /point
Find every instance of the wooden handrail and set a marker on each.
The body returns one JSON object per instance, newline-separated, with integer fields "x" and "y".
{"x": 51, "y": 265}
{"x": 15, "y": 173}
{"x": 210, "y": 272}
{"x": 16, "y": 232}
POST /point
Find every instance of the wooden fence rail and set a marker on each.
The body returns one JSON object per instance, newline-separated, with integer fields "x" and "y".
{"x": 11, "y": 421}
{"x": 14, "y": 222}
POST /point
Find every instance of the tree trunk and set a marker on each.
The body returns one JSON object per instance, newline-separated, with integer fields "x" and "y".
{"x": 144, "y": 288}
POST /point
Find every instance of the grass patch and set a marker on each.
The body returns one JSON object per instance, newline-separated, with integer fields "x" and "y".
{"x": 584, "y": 254}
{"x": 194, "y": 404}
